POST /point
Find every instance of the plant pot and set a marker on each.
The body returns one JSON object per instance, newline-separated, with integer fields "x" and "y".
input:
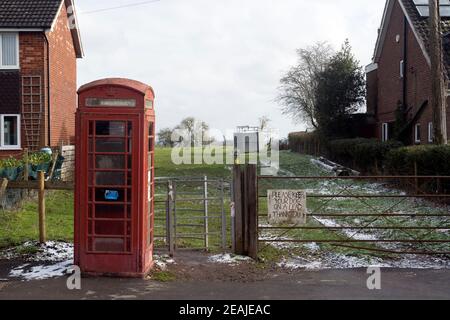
{"x": 34, "y": 169}
{"x": 11, "y": 173}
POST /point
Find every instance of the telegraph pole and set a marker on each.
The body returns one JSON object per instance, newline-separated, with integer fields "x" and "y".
{"x": 438, "y": 90}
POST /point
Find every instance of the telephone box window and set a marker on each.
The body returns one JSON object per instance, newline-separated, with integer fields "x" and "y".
{"x": 110, "y": 128}
{"x": 110, "y": 167}
{"x": 110, "y": 145}
{"x": 109, "y": 161}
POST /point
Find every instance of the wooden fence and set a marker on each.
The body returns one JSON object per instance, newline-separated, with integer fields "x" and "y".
{"x": 40, "y": 185}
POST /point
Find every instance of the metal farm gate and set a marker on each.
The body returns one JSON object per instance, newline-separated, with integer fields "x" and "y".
{"x": 192, "y": 214}
{"x": 355, "y": 214}
{"x": 384, "y": 214}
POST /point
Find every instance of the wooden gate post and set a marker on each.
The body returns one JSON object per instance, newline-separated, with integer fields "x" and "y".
{"x": 41, "y": 197}
{"x": 169, "y": 219}
{"x": 238, "y": 208}
{"x": 245, "y": 205}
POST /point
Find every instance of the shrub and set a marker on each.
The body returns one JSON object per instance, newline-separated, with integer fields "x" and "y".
{"x": 10, "y": 163}
{"x": 39, "y": 158}
{"x": 429, "y": 160}
{"x": 362, "y": 154}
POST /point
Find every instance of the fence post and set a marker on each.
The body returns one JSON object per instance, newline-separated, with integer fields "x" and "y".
{"x": 169, "y": 220}
{"x": 224, "y": 218}
{"x": 238, "y": 207}
{"x": 41, "y": 197}
{"x": 174, "y": 215}
{"x": 252, "y": 214}
{"x": 3, "y": 187}
{"x": 26, "y": 173}
{"x": 233, "y": 216}
{"x": 205, "y": 206}
{"x": 246, "y": 216}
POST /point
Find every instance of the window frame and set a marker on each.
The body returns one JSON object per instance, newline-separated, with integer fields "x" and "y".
{"x": 2, "y": 134}
{"x": 417, "y": 133}
{"x": 17, "y": 66}
{"x": 430, "y": 132}
{"x": 402, "y": 69}
{"x": 385, "y": 131}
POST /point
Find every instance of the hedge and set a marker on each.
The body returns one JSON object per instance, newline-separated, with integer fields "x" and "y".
{"x": 304, "y": 142}
{"x": 362, "y": 154}
{"x": 427, "y": 160}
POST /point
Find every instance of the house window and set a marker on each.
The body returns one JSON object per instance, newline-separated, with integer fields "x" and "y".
{"x": 417, "y": 133}
{"x": 9, "y": 51}
{"x": 430, "y": 132}
{"x": 385, "y": 132}
{"x": 402, "y": 69}
{"x": 10, "y": 132}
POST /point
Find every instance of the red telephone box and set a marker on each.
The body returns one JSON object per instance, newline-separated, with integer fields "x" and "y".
{"x": 114, "y": 186}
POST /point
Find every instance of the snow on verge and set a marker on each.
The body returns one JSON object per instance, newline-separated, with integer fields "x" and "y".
{"x": 162, "y": 261}
{"x": 228, "y": 259}
{"x": 41, "y": 272}
{"x": 45, "y": 261}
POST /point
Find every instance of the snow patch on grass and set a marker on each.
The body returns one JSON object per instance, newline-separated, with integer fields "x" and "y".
{"x": 163, "y": 261}
{"x": 51, "y": 251}
{"x": 40, "y": 272}
{"x": 54, "y": 259}
{"x": 228, "y": 259}
{"x": 340, "y": 261}
{"x": 348, "y": 232}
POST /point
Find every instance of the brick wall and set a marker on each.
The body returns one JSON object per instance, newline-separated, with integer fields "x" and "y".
{"x": 33, "y": 62}
{"x": 63, "y": 82}
{"x": 389, "y": 82}
{"x": 372, "y": 92}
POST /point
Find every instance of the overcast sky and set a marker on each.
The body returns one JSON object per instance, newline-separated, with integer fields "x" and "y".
{"x": 217, "y": 60}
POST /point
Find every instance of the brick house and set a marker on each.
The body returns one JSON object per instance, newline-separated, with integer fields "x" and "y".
{"x": 39, "y": 47}
{"x": 399, "y": 78}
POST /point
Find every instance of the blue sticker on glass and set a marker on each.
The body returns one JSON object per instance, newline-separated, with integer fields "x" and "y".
{"x": 112, "y": 195}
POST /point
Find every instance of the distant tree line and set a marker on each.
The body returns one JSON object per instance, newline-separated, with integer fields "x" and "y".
{"x": 196, "y": 131}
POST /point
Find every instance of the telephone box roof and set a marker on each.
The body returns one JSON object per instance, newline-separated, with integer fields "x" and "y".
{"x": 120, "y": 82}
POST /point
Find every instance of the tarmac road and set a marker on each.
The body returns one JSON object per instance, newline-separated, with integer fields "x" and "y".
{"x": 302, "y": 285}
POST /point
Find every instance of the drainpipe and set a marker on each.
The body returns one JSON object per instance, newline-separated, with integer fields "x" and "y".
{"x": 48, "y": 91}
{"x": 405, "y": 60}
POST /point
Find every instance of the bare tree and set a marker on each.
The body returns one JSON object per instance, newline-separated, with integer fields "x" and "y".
{"x": 165, "y": 137}
{"x": 298, "y": 85}
{"x": 264, "y": 123}
{"x": 196, "y": 131}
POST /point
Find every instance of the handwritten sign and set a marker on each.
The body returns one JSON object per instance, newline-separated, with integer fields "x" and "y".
{"x": 287, "y": 206}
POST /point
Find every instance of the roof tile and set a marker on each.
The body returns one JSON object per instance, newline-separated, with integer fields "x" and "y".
{"x": 28, "y": 13}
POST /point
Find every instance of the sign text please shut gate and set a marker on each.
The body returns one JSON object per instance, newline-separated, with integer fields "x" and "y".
{"x": 286, "y": 206}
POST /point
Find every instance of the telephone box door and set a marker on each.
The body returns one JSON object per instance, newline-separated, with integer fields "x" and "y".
{"x": 109, "y": 174}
